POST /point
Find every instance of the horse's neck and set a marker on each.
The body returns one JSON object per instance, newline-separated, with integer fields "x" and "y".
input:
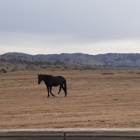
{"x": 47, "y": 78}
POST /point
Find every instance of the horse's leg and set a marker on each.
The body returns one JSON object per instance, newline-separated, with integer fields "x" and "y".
{"x": 48, "y": 91}
{"x": 51, "y": 92}
{"x": 59, "y": 89}
{"x": 64, "y": 88}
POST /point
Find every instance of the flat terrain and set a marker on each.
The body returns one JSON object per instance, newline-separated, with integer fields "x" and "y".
{"x": 94, "y": 100}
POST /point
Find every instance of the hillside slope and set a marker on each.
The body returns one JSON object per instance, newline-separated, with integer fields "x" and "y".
{"x": 105, "y": 60}
{"x": 20, "y": 61}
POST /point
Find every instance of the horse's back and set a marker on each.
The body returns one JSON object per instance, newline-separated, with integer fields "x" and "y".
{"x": 62, "y": 78}
{"x": 59, "y": 79}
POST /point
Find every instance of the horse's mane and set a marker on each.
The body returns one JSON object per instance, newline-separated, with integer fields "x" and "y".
{"x": 45, "y": 75}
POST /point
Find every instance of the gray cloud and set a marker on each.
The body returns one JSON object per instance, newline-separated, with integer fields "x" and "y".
{"x": 80, "y": 16}
{"x": 68, "y": 22}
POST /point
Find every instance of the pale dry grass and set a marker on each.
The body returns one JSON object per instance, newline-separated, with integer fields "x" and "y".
{"x": 94, "y": 100}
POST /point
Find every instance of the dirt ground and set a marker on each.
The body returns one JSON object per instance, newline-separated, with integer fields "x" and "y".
{"x": 94, "y": 100}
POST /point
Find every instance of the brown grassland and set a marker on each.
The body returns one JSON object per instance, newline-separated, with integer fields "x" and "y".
{"x": 94, "y": 100}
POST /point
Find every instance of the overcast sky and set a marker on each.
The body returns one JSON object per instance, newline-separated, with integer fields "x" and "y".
{"x": 69, "y": 26}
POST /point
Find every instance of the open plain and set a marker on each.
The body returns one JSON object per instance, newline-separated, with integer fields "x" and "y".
{"x": 96, "y": 99}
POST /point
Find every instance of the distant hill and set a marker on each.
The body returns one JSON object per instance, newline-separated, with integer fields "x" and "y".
{"x": 106, "y": 60}
{"x": 21, "y": 61}
{"x": 76, "y": 61}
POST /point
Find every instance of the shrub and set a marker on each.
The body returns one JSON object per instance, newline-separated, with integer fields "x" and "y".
{"x": 3, "y": 71}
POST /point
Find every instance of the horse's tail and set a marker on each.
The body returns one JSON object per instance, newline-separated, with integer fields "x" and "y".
{"x": 65, "y": 85}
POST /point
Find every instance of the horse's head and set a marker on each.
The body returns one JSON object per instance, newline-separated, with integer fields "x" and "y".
{"x": 40, "y": 78}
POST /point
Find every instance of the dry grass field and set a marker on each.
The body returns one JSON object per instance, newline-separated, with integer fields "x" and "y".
{"x": 94, "y": 100}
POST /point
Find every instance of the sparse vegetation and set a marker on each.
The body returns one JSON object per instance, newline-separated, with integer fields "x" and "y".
{"x": 3, "y": 71}
{"x": 16, "y": 63}
{"x": 77, "y": 61}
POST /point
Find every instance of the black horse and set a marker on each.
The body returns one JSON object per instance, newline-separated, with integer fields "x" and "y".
{"x": 50, "y": 81}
